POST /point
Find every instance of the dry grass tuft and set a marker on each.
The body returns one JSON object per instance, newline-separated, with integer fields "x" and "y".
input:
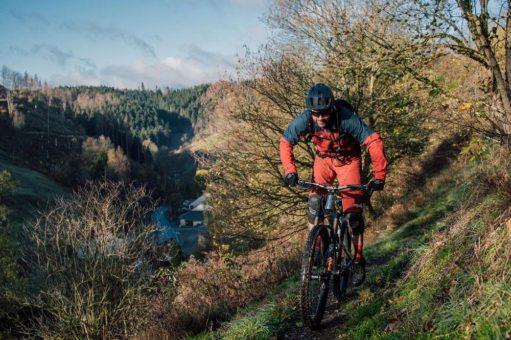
{"x": 210, "y": 292}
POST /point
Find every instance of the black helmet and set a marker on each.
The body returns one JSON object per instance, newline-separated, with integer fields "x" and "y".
{"x": 319, "y": 97}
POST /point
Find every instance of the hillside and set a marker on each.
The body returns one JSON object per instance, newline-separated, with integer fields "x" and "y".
{"x": 426, "y": 91}
{"x": 442, "y": 272}
{"x": 33, "y": 189}
{"x": 73, "y": 134}
{"x": 64, "y": 142}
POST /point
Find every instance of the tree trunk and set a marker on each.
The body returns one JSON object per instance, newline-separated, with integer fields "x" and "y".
{"x": 479, "y": 31}
{"x": 508, "y": 44}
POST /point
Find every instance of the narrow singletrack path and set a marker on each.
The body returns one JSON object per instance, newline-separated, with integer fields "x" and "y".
{"x": 335, "y": 314}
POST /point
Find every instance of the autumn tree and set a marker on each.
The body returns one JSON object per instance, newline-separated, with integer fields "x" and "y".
{"x": 477, "y": 30}
{"x": 319, "y": 41}
{"x": 118, "y": 163}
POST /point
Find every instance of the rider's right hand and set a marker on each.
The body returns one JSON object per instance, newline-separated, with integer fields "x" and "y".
{"x": 291, "y": 179}
{"x": 377, "y": 185}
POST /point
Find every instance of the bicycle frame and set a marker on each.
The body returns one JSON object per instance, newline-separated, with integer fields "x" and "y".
{"x": 337, "y": 226}
{"x": 335, "y": 217}
{"x": 337, "y": 237}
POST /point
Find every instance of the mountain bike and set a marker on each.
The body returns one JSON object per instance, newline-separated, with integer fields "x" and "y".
{"x": 328, "y": 255}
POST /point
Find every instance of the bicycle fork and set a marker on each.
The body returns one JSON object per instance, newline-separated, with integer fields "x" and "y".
{"x": 330, "y": 267}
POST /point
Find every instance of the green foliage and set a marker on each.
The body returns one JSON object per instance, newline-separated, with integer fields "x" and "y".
{"x": 477, "y": 149}
{"x": 139, "y": 122}
{"x": 264, "y": 319}
{"x": 200, "y": 179}
{"x": 434, "y": 92}
{"x": 7, "y": 184}
{"x": 254, "y": 328}
{"x": 164, "y": 117}
{"x": 11, "y": 283}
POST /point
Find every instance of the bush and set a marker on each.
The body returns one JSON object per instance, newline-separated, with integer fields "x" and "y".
{"x": 208, "y": 293}
{"x": 89, "y": 259}
{"x": 11, "y": 285}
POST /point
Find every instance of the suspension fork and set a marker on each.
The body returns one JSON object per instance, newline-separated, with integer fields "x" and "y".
{"x": 333, "y": 247}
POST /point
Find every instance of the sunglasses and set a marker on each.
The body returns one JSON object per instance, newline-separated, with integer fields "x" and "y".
{"x": 322, "y": 113}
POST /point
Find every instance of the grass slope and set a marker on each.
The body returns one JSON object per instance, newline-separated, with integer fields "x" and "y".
{"x": 445, "y": 273}
{"x": 33, "y": 188}
{"x": 263, "y": 319}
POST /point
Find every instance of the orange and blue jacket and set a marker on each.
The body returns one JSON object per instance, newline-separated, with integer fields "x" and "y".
{"x": 341, "y": 139}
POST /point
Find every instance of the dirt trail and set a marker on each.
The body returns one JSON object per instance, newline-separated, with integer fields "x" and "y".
{"x": 335, "y": 314}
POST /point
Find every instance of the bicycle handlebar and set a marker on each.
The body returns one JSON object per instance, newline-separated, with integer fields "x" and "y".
{"x": 310, "y": 185}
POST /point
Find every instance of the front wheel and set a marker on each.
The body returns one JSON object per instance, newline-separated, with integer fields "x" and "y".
{"x": 314, "y": 278}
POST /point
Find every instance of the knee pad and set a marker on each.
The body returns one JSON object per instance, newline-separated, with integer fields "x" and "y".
{"x": 315, "y": 208}
{"x": 356, "y": 222}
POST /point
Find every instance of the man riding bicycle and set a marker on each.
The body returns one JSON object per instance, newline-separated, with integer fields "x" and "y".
{"x": 337, "y": 132}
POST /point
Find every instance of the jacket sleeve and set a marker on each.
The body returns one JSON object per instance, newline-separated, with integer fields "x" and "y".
{"x": 352, "y": 124}
{"x": 374, "y": 145}
{"x": 296, "y": 130}
{"x": 287, "y": 157}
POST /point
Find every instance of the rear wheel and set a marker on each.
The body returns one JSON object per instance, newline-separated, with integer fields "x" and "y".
{"x": 314, "y": 277}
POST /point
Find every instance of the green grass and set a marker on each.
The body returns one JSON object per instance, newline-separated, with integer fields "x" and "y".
{"x": 444, "y": 274}
{"x": 433, "y": 286}
{"x": 33, "y": 189}
{"x": 32, "y": 184}
{"x": 262, "y": 319}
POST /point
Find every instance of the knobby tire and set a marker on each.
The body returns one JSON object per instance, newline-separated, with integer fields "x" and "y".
{"x": 314, "y": 291}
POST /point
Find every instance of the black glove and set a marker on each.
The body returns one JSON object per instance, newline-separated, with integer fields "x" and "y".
{"x": 291, "y": 179}
{"x": 377, "y": 185}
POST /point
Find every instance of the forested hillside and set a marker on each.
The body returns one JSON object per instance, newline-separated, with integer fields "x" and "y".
{"x": 78, "y": 133}
{"x": 55, "y": 141}
{"x": 432, "y": 77}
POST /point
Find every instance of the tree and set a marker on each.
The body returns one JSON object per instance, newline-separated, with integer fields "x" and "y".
{"x": 6, "y": 76}
{"x": 479, "y": 30}
{"x": 118, "y": 163}
{"x": 319, "y": 41}
{"x": 95, "y": 155}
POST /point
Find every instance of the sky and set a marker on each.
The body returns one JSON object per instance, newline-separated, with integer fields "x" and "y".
{"x": 123, "y": 43}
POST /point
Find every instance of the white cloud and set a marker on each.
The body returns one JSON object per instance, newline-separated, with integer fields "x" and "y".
{"x": 198, "y": 67}
{"x": 96, "y": 31}
{"x": 76, "y": 77}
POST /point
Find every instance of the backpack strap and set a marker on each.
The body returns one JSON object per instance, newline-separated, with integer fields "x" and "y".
{"x": 340, "y": 103}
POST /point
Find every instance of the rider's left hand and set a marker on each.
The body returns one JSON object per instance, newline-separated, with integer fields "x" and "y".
{"x": 291, "y": 179}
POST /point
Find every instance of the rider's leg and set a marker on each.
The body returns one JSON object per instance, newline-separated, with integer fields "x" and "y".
{"x": 323, "y": 173}
{"x": 348, "y": 173}
{"x": 356, "y": 223}
{"x": 315, "y": 209}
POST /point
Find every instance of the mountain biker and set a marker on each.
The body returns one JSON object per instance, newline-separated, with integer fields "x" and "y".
{"x": 337, "y": 132}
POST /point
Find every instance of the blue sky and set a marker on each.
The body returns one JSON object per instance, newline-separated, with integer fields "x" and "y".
{"x": 122, "y": 43}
